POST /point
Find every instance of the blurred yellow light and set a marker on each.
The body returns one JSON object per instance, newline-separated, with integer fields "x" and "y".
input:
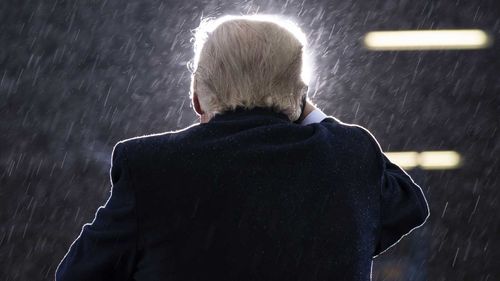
{"x": 427, "y": 39}
{"x": 440, "y": 160}
{"x": 427, "y": 160}
{"x": 405, "y": 160}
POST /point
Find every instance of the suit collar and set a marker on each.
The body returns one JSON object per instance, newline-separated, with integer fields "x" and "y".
{"x": 243, "y": 113}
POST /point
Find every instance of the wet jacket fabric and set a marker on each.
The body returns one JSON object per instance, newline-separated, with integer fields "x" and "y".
{"x": 247, "y": 196}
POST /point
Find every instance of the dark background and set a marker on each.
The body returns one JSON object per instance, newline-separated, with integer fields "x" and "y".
{"x": 78, "y": 76}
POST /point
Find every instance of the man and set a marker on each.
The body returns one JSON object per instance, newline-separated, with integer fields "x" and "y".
{"x": 266, "y": 187}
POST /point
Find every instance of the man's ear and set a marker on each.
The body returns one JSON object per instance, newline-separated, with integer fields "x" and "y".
{"x": 196, "y": 103}
{"x": 305, "y": 89}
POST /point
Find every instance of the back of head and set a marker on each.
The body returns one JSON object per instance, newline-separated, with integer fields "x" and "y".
{"x": 249, "y": 61}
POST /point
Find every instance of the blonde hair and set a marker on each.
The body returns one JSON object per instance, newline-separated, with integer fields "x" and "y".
{"x": 249, "y": 61}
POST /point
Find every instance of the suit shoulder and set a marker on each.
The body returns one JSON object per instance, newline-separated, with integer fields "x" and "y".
{"x": 344, "y": 127}
{"x": 148, "y": 144}
{"x": 353, "y": 133}
{"x": 154, "y": 138}
{"x": 142, "y": 145}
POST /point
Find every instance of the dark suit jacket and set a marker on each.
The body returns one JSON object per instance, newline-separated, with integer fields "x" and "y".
{"x": 247, "y": 196}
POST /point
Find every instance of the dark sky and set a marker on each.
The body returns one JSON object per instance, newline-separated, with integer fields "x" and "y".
{"x": 78, "y": 76}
